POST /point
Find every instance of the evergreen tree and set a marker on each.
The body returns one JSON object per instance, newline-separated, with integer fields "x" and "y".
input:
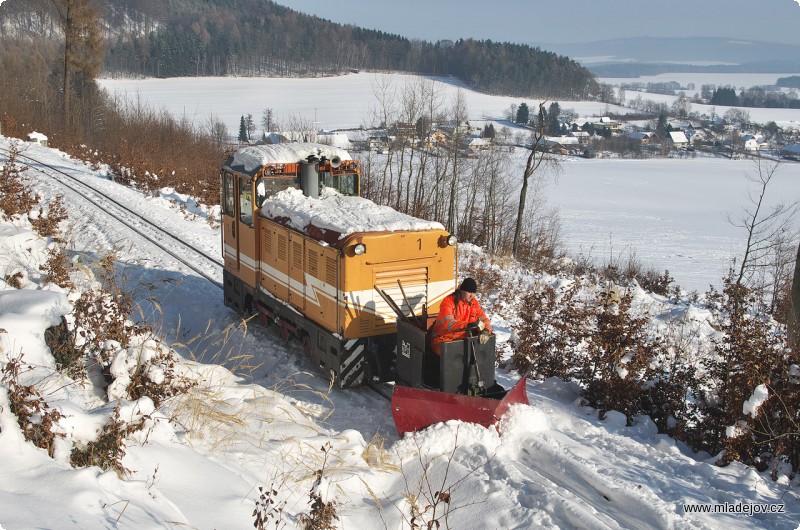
{"x": 243, "y": 131}
{"x": 553, "y": 124}
{"x": 662, "y": 127}
{"x": 725, "y": 96}
{"x": 523, "y": 114}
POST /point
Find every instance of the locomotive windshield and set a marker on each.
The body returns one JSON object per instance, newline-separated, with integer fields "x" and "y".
{"x": 269, "y": 186}
{"x": 344, "y": 183}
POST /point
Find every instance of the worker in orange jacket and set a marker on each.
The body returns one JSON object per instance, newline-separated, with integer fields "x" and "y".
{"x": 460, "y": 315}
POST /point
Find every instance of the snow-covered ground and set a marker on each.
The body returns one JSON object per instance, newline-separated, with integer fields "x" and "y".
{"x": 201, "y": 459}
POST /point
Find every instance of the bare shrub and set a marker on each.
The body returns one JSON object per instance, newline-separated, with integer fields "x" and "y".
{"x": 57, "y": 268}
{"x": 14, "y": 280}
{"x": 108, "y": 450}
{"x": 168, "y": 382}
{"x": 35, "y": 417}
{"x": 98, "y": 316}
{"x": 432, "y": 503}
{"x": 672, "y": 378}
{"x": 104, "y": 314}
{"x": 69, "y": 359}
{"x": 46, "y": 225}
{"x": 618, "y": 354}
{"x": 749, "y": 357}
{"x": 268, "y": 509}
{"x": 621, "y": 270}
{"x": 488, "y": 278}
{"x": 653, "y": 282}
{"x": 16, "y": 197}
{"x": 554, "y": 323}
{"x": 322, "y": 515}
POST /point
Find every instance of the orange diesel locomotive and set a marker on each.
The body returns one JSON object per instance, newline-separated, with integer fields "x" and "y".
{"x": 304, "y": 251}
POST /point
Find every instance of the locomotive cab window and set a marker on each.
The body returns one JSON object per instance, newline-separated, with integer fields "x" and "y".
{"x": 228, "y": 194}
{"x": 245, "y": 201}
{"x": 346, "y": 184}
{"x": 266, "y": 187}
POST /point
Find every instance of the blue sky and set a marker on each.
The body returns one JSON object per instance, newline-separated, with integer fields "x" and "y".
{"x": 535, "y": 21}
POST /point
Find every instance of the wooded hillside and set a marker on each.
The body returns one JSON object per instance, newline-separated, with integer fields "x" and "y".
{"x": 259, "y": 37}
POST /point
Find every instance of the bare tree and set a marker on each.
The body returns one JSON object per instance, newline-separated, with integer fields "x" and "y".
{"x": 767, "y": 229}
{"x": 682, "y": 106}
{"x": 430, "y": 98}
{"x": 250, "y": 125}
{"x": 217, "y": 132}
{"x": 736, "y": 116}
{"x": 383, "y": 115}
{"x": 299, "y": 129}
{"x": 458, "y": 115}
{"x": 82, "y": 45}
{"x": 268, "y": 121}
{"x": 536, "y": 158}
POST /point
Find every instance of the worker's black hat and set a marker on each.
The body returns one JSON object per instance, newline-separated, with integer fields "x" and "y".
{"x": 469, "y": 285}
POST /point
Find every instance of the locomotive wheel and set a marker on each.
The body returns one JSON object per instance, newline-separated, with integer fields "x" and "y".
{"x": 307, "y": 346}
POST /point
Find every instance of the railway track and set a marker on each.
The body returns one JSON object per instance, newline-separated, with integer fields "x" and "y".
{"x": 186, "y": 253}
{"x": 142, "y": 226}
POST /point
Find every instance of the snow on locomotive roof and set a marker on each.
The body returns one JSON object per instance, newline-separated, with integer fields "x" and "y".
{"x": 341, "y": 214}
{"x": 254, "y": 157}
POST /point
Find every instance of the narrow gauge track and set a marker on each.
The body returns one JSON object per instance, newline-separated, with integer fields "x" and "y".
{"x": 108, "y": 204}
{"x": 79, "y": 187}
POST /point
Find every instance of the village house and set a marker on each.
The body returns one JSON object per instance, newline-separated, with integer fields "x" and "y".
{"x": 791, "y": 152}
{"x": 475, "y": 144}
{"x": 582, "y": 136}
{"x": 643, "y": 137}
{"x": 678, "y": 140}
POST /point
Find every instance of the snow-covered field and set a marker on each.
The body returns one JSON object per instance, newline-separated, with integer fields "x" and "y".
{"x": 672, "y": 214}
{"x": 200, "y": 461}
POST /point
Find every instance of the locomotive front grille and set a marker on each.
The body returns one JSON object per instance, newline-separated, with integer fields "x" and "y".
{"x": 415, "y": 286}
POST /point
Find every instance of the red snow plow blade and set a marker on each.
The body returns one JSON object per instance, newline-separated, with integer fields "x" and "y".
{"x": 416, "y": 408}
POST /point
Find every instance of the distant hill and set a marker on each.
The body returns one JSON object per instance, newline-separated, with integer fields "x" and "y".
{"x": 631, "y": 57}
{"x": 259, "y": 37}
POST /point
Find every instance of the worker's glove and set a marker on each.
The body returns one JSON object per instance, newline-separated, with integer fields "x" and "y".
{"x": 484, "y": 336}
{"x": 481, "y": 324}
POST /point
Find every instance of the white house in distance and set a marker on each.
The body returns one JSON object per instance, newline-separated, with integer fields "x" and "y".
{"x": 678, "y": 139}
{"x": 754, "y": 142}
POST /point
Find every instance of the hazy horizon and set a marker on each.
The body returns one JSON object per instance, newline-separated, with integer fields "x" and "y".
{"x": 578, "y": 21}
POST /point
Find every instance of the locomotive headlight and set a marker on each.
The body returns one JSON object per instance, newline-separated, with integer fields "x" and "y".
{"x": 452, "y": 240}
{"x": 359, "y": 249}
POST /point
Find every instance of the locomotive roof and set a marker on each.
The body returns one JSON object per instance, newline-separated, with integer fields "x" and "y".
{"x": 333, "y": 216}
{"x": 250, "y": 159}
